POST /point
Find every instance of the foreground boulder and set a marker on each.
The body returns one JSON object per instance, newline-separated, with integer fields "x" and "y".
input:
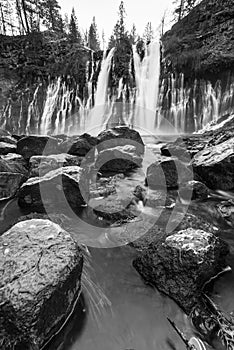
{"x": 56, "y": 189}
{"x": 41, "y": 165}
{"x": 40, "y": 276}
{"x": 120, "y": 136}
{"x": 215, "y": 165}
{"x": 181, "y": 264}
{"x": 167, "y": 173}
{"x": 35, "y": 145}
{"x": 120, "y": 159}
{"x": 10, "y": 183}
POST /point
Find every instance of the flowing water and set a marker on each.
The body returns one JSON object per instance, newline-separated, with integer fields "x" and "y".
{"x": 117, "y": 310}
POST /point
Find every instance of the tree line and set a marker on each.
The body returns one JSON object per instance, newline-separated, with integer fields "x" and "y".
{"x": 27, "y": 16}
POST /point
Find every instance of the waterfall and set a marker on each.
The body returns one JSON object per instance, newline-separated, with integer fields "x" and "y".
{"x": 189, "y": 107}
{"x": 50, "y": 104}
{"x": 147, "y": 74}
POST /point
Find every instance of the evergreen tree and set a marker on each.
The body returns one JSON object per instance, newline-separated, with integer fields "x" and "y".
{"x": 133, "y": 35}
{"x": 183, "y": 7}
{"x": 93, "y": 41}
{"x": 50, "y": 12}
{"x": 74, "y": 33}
{"x": 148, "y": 33}
{"x": 119, "y": 32}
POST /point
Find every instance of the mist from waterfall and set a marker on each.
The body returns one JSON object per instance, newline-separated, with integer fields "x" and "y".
{"x": 147, "y": 73}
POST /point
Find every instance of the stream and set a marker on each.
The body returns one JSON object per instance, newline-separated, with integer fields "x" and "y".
{"x": 117, "y": 310}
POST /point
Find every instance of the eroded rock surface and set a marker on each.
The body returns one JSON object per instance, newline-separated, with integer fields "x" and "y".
{"x": 40, "y": 165}
{"x": 33, "y": 145}
{"x": 119, "y": 159}
{"x": 40, "y": 276}
{"x": 120, "y": 136}
{"x": 181, "y": 264}
{"x": 58, "y": 188}
{"x": 215, "y": 165}
{"x": 10, "y": 183}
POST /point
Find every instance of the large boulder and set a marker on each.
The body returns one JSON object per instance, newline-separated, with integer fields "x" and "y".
{"x": 52, "y": 189}
{"x": 10, "y": 183}
{"x": 79, "y": 146}
{"x": 34, "y": 145}
{"x": 40, "y": 165}
{"x": 119, "y": 159}
{"x": 215, "y": 165}
{"x": 120, "y": 136}
{"x": 6, "y": 148}
{"x": 13, "y": 163}
{"x": 181, "y": 264}
{"x": 167, "y": 172}
{"x": 40, "y": 281}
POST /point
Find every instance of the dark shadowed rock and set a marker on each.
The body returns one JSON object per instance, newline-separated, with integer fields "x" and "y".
{"x": 52, "y": 189}
{"x": 120, "y": 136}
{"x": 180, "y": 265}
{"x": 40, "y": 165}
{"x": 10, "y": 183}
{"x": 215, "y": 165}
{"x": 167, "y": 173}
{"x": 34, "y": 145}
{"x": 120, "y": 159}
{"x": 6, "y": 148}
{"x": 79, "y": 146}
{"x": 40, "y": 274}
{"x": 13, "y": 163}
{"x": 198, "y": 190}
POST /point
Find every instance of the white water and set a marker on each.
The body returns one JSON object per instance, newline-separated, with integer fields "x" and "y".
{"x": 147, "y": 75}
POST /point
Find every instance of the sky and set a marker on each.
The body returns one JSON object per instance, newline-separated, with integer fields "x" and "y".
{"x": 106, "y": 13}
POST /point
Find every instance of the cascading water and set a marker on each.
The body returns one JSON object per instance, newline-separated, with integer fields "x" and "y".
{"x": 190, "y": 107}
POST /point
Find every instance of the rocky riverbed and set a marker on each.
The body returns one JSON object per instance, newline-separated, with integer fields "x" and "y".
{"x": 112, "y": 190}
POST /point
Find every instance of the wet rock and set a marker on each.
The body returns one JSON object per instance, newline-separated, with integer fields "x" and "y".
{"x": 80, "y": 146}
{"x": 226, "y": 211}
{"x": 34, "y": 145}
{"x": 180, "y": 265}
{"x": 58, "y": 188}
{"x": 215, "y": 165}
{"x": 103, "y": 187}
{"x": 13, "y": 163}
{"x": 193, "y": 190}
{"x": 40, "y": 274}
{"x": 8, "y": 139}
{"x": 120, "y": 136}
{"x": 10, "y": 183}
{"x": 180, "y": 152}
{"x": 120, "y": 159}
{"x": 167, "y": 173}
{"x": 152, "y": 198}
{"x": 114, "y": 209}
{"x": 6, "y": 148}
{"x": 40, "y": 165}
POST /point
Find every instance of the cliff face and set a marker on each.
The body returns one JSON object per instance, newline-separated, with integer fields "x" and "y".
{"x": 198, "y": 67}
{"x": 30, "y": 64}
{"x": 202, "y": 44}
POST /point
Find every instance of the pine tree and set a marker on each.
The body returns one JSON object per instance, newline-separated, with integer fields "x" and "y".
{"x": 133, "y": 35}
{"x": 183, "y": 7}
{"x": 74, "y": 33}
{"x": 93, "y": 41}
{"x": 148, "y": 33}
{"x": 50, "y": 12}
